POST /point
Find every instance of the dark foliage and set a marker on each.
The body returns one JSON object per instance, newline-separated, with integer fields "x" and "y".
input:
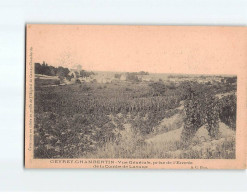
{"x": 45, "y": 69}
{"x": 131, "y": 76}
{"x": 84, "y": 73}
{"x": 228, "y": 111}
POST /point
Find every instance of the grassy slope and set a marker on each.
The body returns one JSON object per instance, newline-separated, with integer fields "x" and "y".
{"x": 169, "y": 145}
{"x": 202, "y": 145}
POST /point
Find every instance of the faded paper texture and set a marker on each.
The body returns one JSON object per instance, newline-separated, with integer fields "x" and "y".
{"x": 135, "y": 97}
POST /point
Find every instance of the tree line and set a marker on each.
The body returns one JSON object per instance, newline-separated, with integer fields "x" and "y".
{"x": 45, "y": 69}
{"x": 60, "y": 71}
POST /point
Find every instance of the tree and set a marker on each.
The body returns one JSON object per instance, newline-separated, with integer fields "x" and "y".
{"x": 211, "y": 116}
{"x": 62, "y": 72}
{"x": 201, "y": 110}
{"x": 38, "y": 68}
{"x": 132, "y": 77}
{"x": 84, "y": 73}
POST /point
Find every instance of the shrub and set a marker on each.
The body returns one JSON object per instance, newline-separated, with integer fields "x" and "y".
{"x": 77, "y": 81}
{"x": 159, "y": 88}
{"x": 228, "y": 111}
{"x": 132, "y": 77}
{"x": 117, "y": 76}
{"x": 200, "y": 110}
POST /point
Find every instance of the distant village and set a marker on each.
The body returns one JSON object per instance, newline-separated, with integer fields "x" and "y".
{"x": 66, "y": 76}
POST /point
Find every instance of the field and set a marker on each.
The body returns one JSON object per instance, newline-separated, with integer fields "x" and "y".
{"x": 147, "y": 116}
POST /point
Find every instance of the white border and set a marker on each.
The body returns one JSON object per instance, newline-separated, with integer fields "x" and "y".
{"x": 15, "y": 14}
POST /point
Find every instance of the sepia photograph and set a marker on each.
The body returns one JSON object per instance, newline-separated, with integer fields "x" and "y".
{"x": 108, "y": 93}
{"x": 94, "y": 114}
{"x": 123, "y": 96}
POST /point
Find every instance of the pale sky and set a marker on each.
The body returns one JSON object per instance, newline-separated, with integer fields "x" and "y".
{"x": 164, "y": 49}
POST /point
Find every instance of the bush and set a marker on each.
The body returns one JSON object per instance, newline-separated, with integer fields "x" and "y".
{"x": 132, "y": 77}
{"x": 117, "y": 76}
{"x": 159, "y": 88}
{"x": 77, "y": 81}
{"x": 228, "y": 111}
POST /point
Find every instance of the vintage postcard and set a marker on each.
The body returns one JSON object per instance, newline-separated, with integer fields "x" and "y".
{"x": 135, "y": 97}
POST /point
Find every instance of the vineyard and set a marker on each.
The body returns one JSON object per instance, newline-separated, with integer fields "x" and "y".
{"x": 135, "y": 119}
